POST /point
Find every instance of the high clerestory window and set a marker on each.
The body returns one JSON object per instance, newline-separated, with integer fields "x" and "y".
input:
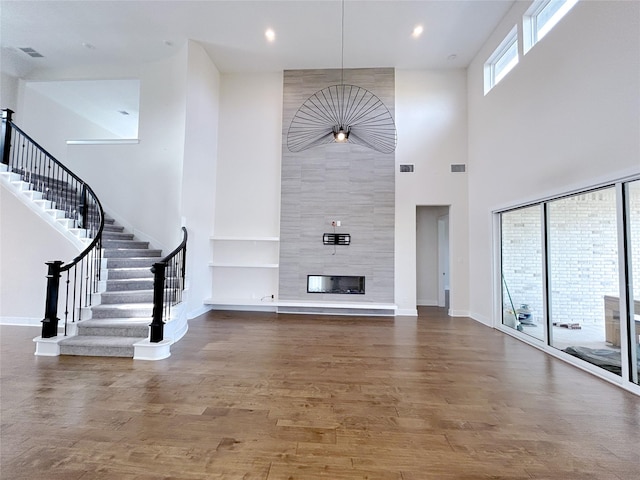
{"x": 541, "y": 17}
{"x": 501, "y": 61}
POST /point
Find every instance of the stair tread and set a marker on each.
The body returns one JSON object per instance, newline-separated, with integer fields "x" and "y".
{"x": 106, "y": 322}
{"x": 123, "y": 280}
{"x": 99, "y": 341}
{"x": 113, "y": 293}
{"x": 123, "y": 306}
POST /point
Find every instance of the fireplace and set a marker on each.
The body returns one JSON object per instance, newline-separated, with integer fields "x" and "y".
{"x": 337, "y": 284}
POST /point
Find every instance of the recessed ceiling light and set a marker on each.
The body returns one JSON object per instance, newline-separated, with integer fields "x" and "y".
{"x": 270, "y": 34}
{"x": 417, "y": 31}
{"x": 452, "y": 57}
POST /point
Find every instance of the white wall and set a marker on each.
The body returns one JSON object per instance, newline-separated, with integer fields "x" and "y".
{"x": 247, "y": 184}
{"x": 140, "y": 185}
{"x": 249, "y": 152}
{"x": 566, "y": 117}
{"x": 23, "y": 254}
{"x": 53, "y": 123}
{"x": 9, "y": 92}
{"x": 199, "y": 170}
{"x": 431, "y": 119}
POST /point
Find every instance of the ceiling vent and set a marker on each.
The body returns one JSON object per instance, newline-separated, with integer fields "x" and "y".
{"x": 406, "y": 168}
{"x": 458, "y": 168}
{"x": 31, "y": 52}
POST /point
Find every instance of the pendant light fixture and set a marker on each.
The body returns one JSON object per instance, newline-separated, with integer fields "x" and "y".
{"x": 342, "y": 114}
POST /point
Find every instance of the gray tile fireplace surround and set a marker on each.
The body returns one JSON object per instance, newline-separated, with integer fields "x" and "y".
{"x": 336, "y": 182}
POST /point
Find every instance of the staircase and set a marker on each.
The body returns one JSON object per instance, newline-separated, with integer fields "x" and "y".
{"x": 127, "y": 310}
{"x": 124, "y": 310}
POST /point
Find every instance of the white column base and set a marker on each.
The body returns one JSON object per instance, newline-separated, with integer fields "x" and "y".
{"x": 48, "y": 347}
{"x": 145, "y": 350}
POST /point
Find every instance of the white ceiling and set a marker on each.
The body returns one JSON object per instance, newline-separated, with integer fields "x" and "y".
{"x": 308, "y": 33}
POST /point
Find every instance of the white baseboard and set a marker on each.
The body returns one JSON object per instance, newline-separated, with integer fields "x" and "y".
{"x": 407, "y": 312}
{"x": 196, "y": 312}
{"x": 458, "y": 313}
{"x": 481, "y": 319}
{"x": 21, "y": 321}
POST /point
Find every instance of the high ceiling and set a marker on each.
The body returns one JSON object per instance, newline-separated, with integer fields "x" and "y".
{"x": 85, "y": 33}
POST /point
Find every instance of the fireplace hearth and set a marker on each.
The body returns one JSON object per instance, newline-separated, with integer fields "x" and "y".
{"x": 336, "y": 284}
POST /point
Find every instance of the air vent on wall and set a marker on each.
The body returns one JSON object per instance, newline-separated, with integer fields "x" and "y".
{"x": 31, "y": 52}
{"x": 406, "y": 168}
{"x": 458, "y": 168}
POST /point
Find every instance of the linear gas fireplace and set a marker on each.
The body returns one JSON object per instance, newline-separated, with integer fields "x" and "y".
{"x": 341, "y": 284}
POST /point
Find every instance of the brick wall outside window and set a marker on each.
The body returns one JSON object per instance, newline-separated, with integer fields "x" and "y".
{"x": 583, "y": 255}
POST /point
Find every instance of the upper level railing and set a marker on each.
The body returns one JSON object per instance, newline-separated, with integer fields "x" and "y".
{"x": 168, "y": 285}
{"x": 71, "y": 195}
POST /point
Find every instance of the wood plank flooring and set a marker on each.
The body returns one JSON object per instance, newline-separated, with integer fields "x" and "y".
{"x": 257, "y": 396}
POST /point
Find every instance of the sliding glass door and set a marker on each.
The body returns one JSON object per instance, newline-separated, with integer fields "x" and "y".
{"x": 570, "y": 276}
{"x": 584, "y": 292}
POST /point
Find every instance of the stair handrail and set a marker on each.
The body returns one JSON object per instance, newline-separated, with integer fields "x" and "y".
{"x": 167, "y": 294}
{"x": 26, "y": 157}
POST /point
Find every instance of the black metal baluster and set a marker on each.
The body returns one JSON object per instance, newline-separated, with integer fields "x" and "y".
{"x": 66, "y": 305}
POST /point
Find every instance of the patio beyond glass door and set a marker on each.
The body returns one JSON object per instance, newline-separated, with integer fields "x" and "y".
{"x": 522, "y": 275}
{"x": 584, "y": 297}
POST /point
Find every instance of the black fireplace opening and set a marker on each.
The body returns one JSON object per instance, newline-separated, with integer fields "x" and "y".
{"x": 340, "y": 284}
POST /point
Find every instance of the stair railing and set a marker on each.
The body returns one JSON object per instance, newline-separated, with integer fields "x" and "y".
{"x": 68, "y": 193}
{"x": 168, "y": 285}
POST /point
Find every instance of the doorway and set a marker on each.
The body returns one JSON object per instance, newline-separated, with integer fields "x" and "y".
{"x": 432, "y": 256}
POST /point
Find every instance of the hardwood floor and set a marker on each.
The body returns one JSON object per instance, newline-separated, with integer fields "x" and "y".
{"x": 261, "y": 396}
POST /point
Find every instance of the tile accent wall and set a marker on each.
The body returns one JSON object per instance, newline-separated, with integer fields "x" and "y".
{"x": 344, "y": 182}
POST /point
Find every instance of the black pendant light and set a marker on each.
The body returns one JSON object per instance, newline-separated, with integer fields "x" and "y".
{"x": 343, "y": 114}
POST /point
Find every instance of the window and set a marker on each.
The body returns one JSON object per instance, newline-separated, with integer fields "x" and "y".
{"x": 502, "y": 61}
{"x": 541, "y": 17}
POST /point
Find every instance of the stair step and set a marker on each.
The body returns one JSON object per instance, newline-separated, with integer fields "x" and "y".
{"x": 116, "y": 235}
{"x": 33, "y": 194}
{"x": 55, "y": 213}
{"x": 115, "y": 327}
{"x": 80, "y": 232}
{"x": 134, "y": 272}
{"x": 123, "y": 310}
{"x": 116, "y": 297}
{"x": 44, "y": 204}
{"x": 127, "y": 284}
{"x": 130, "y": 252}
{"x": 128, "y": 244}
{"x": 10, "y": 176}
{"x": 131, "y": 262}
{"x": 99, "y": 346}
{"x": 68, "y": 223}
